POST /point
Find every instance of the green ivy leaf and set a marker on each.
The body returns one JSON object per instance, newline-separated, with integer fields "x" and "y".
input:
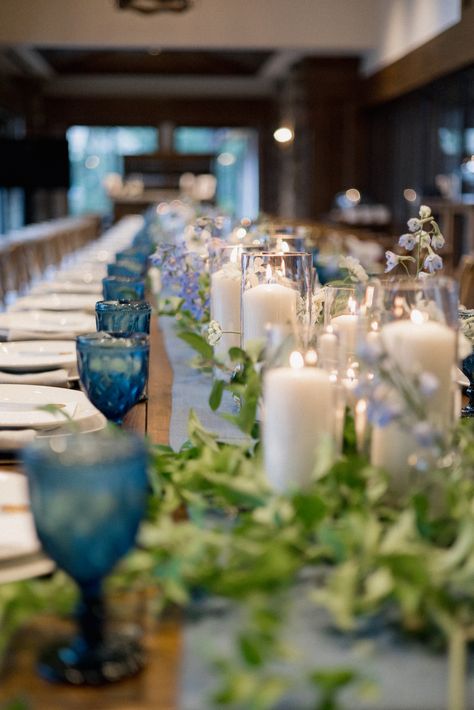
{"x": 217, "y": 391}
{"x": 198, "y": 343}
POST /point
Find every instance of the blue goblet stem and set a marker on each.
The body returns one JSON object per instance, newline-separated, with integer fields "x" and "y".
{"x": 91, "y": 614}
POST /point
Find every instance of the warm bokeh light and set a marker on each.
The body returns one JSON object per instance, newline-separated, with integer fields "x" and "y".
{"x": 284, "y": 134}
{"x": 353, "y": 195}
{"x": 409, "y": 194}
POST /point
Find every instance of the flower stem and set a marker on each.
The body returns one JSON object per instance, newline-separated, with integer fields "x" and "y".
{"x": 457, "y": 670}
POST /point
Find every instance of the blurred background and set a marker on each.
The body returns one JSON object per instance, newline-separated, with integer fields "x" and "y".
{"x": 349, "y": 112}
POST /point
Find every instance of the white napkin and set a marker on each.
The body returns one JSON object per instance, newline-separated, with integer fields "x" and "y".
{"x": 10, "y": 334}
{"x": 53, "y": 378}
{"x": 15, "y": 439}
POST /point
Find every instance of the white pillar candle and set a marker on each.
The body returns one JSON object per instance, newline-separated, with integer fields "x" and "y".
{"x": 264, "y": 305}
{"x": 346, "y": 325}
{"x": 225, "y": 308}
{"x": 328, "y": 350}
{"x": 425, "y": 346}
{"x": 391, "y": 447}
{"x": 299, "y": 410}
{"x": 416, "y": 346}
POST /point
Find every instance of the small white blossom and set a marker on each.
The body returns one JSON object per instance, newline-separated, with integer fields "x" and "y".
{"x": 392, "y": 260}
{"x": 355, "y": 268}
{"x": 318, "y": 304}
{"x": 428, "y": 384}
{"x": 425, "y": 212}
{"x": 408, "y": 241}
{"x": 437, "y": 241}
{"x": 432, "y": 263}
{"x": 414, "y": 224}
{"x": 214, "y": 333}
{"x": 424, "y": 434}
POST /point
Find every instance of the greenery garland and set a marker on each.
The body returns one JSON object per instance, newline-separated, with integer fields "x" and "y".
{"x": 407, "y": 563}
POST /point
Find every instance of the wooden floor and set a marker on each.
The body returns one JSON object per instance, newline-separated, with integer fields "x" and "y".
{"x": 157, "y": 686}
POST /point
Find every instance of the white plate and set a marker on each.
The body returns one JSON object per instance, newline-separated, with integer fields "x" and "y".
{"x": 49, "y": 321}
{"x": 17, "y": 531}
{"x": 18, "y": 407}
{"x": 57, "y": 286}
{"x": 58, "y": 302}
{"x": 37, "y": 355}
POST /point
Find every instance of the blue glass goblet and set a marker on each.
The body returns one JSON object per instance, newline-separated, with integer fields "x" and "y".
{"x": 134, "y": 254}
{"x": 126, "y": 268}
{"x": 88, "y": 495}
{"x": 116, "y": 287}
{"x": 123, "y": 316}
{"x": 113, "y": 370}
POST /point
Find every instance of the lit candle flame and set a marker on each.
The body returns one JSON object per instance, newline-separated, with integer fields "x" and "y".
{"x": 268, "y": 273}
{"x": 311, "y": 357}
{"x": 361, "y": 407}
{"x": 296, "y": 360}
{"x": 352, "y": 305}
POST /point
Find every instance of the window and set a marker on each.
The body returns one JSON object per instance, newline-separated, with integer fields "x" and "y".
{"x": 94, "y": 153}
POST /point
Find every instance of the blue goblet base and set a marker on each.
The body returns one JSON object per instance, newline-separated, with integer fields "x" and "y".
{"x": 71, "y": 662}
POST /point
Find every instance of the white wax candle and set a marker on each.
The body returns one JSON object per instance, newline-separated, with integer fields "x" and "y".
{"x": 346, "y": 324}
{"x": 425, "y": 347}
{"x": 264, "y": 305}
{"x": 225, "y": 309}
{"x": 299, "y": 410}
{"x": 416, "y": 347}
{"x": 391, "y": 447}
{"x": 328, "y": 350}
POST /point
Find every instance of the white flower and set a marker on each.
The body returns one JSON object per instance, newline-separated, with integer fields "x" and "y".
{"x": 425, "y": 212}
{"x": 318, "y": 304}
{"x": 407, "y": 241}
{"x": 428, "y": 384}
{"x": 432, "y": 263}
{"x": 414, "y": 224}
{"x": 392, "y": 260}
{"x": 437, "y": 241}
{"x": 424, "y": 434}
{"x": 355, "y": 268}
{"x": 214, "y": 333}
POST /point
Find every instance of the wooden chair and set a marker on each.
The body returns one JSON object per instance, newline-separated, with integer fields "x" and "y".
{"x": 466, "y": 280}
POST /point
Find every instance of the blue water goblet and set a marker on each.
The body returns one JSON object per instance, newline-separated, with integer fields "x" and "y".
{"x": 116, "y": 287}
{"x": 113, "y": 370}
{"x": 88, "y": 496}
{"x": 123, "y": 316}
{"x": 134, "y": 254}
{"x": 126, "y": 268}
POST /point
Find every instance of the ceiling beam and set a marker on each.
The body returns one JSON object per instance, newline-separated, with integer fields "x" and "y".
{"x": 32, "y": 62}
{"x": 279, "y": 64}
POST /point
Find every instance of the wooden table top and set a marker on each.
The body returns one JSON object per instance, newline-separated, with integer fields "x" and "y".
{"x": 157, "y": 686}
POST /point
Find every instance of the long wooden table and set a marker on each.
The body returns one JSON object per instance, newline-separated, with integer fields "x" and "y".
{"x": 156, "y": 688}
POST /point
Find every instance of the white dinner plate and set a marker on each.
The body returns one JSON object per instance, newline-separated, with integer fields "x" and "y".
{"x": 37, "y": 355}
{"x": 57, "y": 286}
{"x": 58, "y": 302}
{"x": 49, "y": 321}
{"x": 17, "y": 531}
{"x": 19, "y": 407}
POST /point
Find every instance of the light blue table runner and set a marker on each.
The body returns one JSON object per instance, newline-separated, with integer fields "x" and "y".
{"x": 408, "y": 676}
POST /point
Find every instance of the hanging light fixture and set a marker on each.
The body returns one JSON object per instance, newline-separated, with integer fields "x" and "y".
{"x": 150, "y": 7}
